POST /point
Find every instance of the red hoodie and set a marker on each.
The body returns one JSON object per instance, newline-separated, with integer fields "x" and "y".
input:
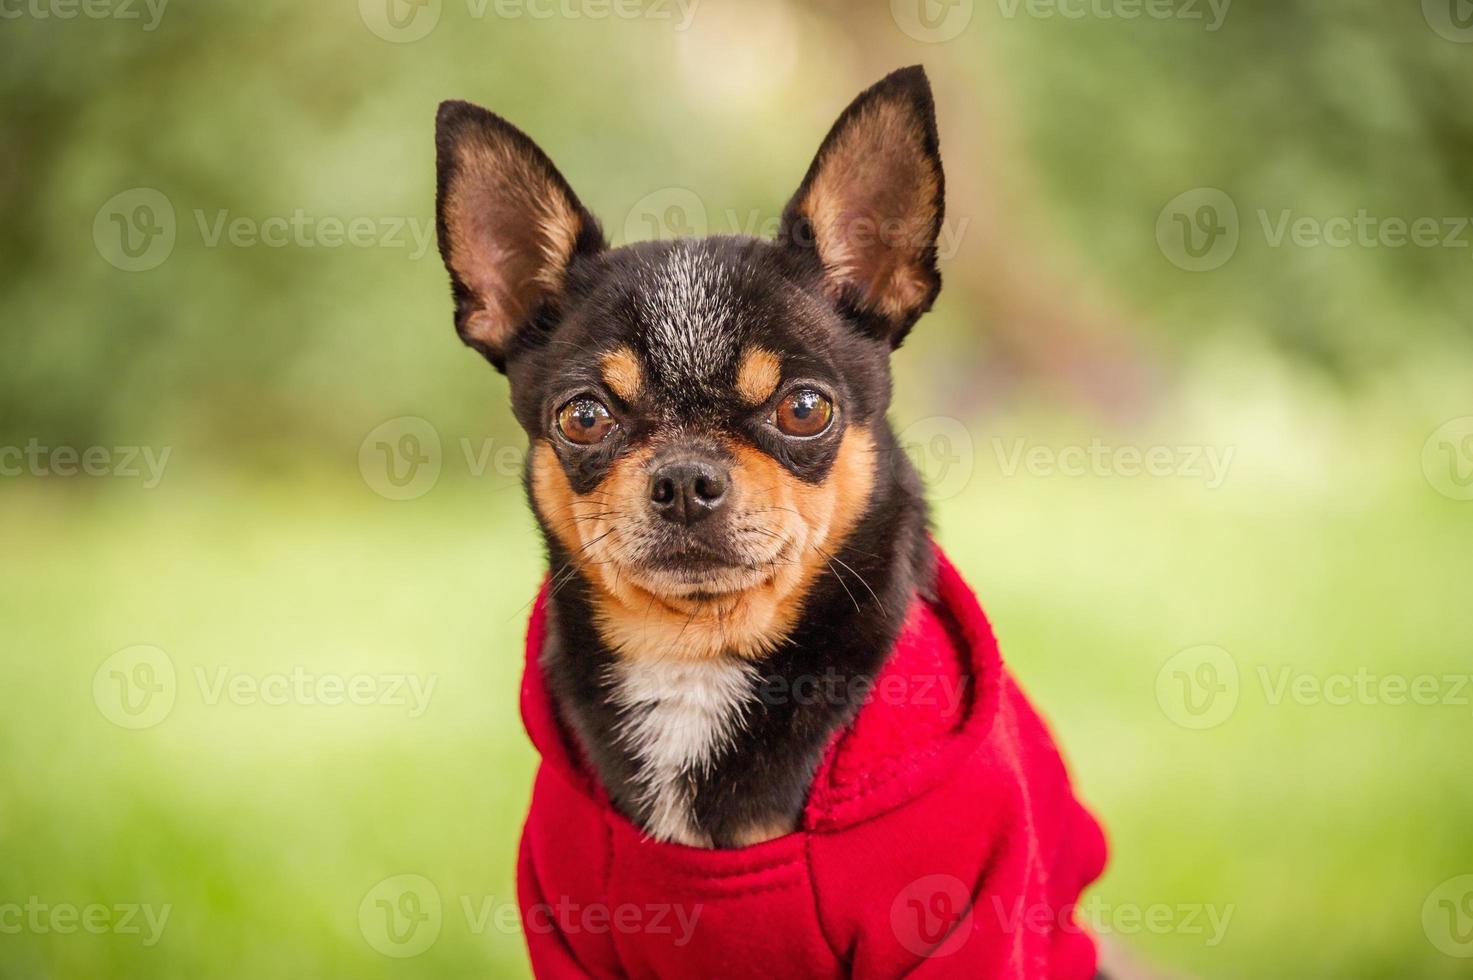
{"x": 940, "y": 839}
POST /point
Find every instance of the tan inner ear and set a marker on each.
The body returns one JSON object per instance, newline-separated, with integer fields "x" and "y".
{"x": 872, "y": 206}
{"x": 511, "y": 231}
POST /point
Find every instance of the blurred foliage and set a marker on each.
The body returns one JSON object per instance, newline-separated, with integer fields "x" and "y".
{"x": 1063, "y": 321}
{"x": 1065, "y": 137}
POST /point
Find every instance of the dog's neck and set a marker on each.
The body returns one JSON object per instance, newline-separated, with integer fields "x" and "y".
{"x": 718, "y": 751}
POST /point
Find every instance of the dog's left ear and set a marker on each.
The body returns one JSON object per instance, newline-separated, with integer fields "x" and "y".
{"x": 509, "y": 226}
{"x": 871, "y": 206}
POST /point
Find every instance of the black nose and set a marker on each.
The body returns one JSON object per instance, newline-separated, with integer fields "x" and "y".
{"x": 685, "y": 490}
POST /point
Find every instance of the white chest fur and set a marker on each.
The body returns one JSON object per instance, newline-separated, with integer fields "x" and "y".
{"x": 677, "y": 716}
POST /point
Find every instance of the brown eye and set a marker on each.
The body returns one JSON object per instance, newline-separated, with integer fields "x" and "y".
{"x": 803, "y": 413}
{"x": 584, "y": 421}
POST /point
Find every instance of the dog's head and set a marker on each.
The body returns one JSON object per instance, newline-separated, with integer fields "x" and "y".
{"x": 705, "y": 415}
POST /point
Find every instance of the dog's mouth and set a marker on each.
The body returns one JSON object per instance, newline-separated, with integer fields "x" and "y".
{"x": 695, "y": 571}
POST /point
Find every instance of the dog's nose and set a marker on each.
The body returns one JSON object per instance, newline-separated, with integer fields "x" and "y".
{"x": 685, "y": 490}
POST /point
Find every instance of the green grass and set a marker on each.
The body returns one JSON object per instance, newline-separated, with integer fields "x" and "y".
{"x": 1319, "y": 829}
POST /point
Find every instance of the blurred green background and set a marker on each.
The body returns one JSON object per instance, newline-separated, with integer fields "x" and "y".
{"x": 1196, "y": 405}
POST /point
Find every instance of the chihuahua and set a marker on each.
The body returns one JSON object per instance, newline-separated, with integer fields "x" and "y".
{"x": 723, "y": 501}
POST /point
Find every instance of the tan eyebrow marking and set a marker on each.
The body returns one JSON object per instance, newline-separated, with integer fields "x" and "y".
{"x": 758, "y": 376}
{"x": 622, "y": 374}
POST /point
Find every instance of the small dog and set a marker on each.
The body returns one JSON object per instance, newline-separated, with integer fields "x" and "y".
{"x": 726, "y": 509}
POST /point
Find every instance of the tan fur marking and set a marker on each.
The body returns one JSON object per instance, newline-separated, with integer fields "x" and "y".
{"x": 622, "y": 374}
{"x": 872, "y": 205}
{"x": 758, "y": 376}
{"x": 640, "y": 618}
{"x": 512, "y": 230}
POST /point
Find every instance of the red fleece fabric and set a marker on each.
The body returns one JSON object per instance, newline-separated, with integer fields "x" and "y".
{"x": 941, "y": 839}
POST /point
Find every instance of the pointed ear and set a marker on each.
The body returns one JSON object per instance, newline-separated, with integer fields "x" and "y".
{"x": 871, "y": 206}
{"x": 509, "y": 225}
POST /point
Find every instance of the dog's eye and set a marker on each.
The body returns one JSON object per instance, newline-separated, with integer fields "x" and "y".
{"x": 585, "y": 421}
{"x": 803, "y": 413}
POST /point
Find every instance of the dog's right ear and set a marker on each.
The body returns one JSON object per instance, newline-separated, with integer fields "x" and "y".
{"x": 509, "y": 225}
